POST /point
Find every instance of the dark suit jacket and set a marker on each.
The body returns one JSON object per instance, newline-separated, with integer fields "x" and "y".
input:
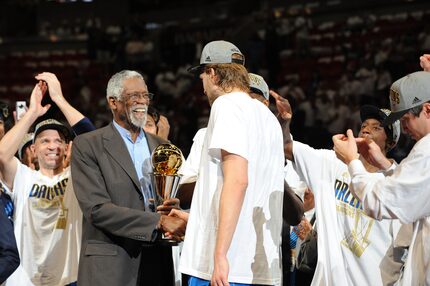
{"x": 9, "y": 257}
{"x": 117, "y": 230}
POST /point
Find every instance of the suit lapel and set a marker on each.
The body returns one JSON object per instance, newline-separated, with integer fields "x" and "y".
{"x": 115, "y": 146}
{"x": 152, "y": 142}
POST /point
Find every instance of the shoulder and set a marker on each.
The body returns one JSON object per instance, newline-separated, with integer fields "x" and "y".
{"x": 96, "y": 134}
{"x": 156, "y": 138}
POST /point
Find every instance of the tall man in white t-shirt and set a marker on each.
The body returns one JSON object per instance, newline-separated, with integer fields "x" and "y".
{"x": 47, "y": 218}
{"x": 404, "y": 191}
{"x": 234, "y": 227}
{"x": 353, "y": 249}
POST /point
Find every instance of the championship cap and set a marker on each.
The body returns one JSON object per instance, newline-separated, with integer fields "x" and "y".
{"x": 392, "y": 130}
{"x": 406, "y": 93}
{"x": 219, "y": 52}
{"x": 258, "y": 85}
{"x": 28, "y": 139}
{"x": 51, "y": 124}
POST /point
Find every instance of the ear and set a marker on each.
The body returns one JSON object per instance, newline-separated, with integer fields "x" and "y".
{"x": 33, "y": 148}
{"x": 112, "y": 103}
{"x": 211, "y": 72}
{"x": 426, "y": 108}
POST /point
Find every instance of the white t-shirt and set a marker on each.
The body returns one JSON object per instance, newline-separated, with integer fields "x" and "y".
{"x": 352, "y": 247}
{"x": 403, "y": 194}
{"x": 190, "y": 168}
{"x": 48, "y": 228}
{"x": 246, "y": 127}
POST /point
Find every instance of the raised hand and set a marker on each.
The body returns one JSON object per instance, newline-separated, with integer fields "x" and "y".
{"x": 283, "y": 106}
{"x": 345, "y": 146}
{"x": 425, "y": 62}
{"x": 54, "y": 86}
{"x": 372, "y": 153}
{"x": 36, "y": 102}
{"x": 163, "y": 127}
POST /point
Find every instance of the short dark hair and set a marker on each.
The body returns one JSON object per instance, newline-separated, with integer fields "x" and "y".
{"x": 417, "y": 109}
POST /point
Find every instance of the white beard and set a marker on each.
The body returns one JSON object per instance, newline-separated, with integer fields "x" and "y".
{"x": 138, "y": 122}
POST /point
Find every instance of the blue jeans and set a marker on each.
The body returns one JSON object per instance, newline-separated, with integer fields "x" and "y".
{"x": 194, "y": 281}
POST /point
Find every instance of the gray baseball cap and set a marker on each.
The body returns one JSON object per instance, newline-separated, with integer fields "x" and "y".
{"x": 258, "y": 83}
{"x": 406, "y": 93}
{"x": 392, "y": 130}
{"x": 219, "y": 52}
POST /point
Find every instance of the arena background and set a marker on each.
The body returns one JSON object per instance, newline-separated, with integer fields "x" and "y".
{"x": 326, "y": 57}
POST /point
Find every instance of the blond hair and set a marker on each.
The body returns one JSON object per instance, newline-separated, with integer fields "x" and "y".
{"x": 230, "y": 76}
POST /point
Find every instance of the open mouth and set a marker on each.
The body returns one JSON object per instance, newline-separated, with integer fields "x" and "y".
{"x": 53, "y": 156}
{"x": 139, "y": 112}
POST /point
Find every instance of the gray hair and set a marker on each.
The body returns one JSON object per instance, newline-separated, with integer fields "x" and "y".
{"x": 115, "y": 86}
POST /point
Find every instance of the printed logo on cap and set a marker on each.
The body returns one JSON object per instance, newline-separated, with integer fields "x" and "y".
{"x": 394, "y": 96}
{"x": 416, "y": 100}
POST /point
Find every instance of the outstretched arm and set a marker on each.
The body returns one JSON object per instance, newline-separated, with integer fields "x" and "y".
{"x": 285, "y": 115}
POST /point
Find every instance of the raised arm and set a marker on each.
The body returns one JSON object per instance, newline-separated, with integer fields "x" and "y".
{"x": 285, "y": 114}
{"x": 10, "y": 143}
{"x": 72, "y": 115}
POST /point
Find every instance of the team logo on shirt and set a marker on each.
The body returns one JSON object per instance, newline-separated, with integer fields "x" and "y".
{"x": 358, "y": 239}
{"x": 51, "y": 197}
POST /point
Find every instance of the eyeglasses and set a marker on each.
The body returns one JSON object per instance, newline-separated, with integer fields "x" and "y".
{"x": 137, "y": 95}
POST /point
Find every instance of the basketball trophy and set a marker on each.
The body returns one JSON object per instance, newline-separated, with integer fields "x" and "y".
{"x": 166, "y": 161}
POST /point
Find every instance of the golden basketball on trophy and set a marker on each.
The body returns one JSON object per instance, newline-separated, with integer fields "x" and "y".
{"x": 166, "y": 161}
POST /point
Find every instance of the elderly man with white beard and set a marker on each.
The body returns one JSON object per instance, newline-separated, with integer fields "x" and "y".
{"x": 109, "y": 167}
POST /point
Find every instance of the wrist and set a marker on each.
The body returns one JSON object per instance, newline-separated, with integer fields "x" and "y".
{"x": 386, "y": 165}
{"x": 160, "y": 222}
{"x": 352, "y": 157}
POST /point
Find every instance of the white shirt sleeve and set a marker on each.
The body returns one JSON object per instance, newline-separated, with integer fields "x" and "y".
{"x": 229, "y": 132}
{"x": 404, "y": 195}
{"x": 190, "y": 168}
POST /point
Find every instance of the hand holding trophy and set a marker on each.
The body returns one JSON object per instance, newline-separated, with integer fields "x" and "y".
{"x": 166, "y": 161}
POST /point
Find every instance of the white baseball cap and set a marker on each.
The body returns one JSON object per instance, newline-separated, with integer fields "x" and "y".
{"x": 257, "y": 82}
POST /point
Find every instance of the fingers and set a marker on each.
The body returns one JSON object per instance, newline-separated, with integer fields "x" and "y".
{"x": 425, "y": 62}
{"x": 339, "y": 137}
{"x": 171, "y": 202}
{"x": 275, "y": 95}
{"x": 180, "y": 214}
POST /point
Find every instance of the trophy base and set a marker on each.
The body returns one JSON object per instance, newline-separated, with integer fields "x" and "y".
{"x": 161, "y": 240}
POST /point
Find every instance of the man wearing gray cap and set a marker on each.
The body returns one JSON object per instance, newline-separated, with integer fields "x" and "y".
{"x": 404, "y": 191}
{"x": 234, "y": 227}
